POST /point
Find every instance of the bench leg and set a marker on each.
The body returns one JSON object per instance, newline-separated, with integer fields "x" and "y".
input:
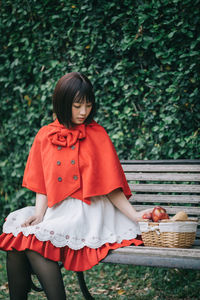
{"x": 34, "y": 287}
{"x": 83, "y": 286}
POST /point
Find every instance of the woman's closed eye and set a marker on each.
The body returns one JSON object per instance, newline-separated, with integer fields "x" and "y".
{"x": 79, "y": 106}
{"x": 76, "y": 106}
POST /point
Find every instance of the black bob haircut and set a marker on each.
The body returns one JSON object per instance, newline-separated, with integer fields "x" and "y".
{"x": 70, "y": 88}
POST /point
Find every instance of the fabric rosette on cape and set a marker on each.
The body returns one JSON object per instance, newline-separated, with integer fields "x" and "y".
{"x": 66, "y": 137}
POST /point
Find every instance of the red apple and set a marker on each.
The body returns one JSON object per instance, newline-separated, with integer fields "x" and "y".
{"x": 147, "y": 216}
{"x": 165, "y": 216}
{"x": 159, "y": 213}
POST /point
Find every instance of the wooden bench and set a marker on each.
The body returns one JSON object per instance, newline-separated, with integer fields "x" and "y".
{"x": 174, "y": 185}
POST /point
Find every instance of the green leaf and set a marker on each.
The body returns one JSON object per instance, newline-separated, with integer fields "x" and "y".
{"x": 171, "y": 34}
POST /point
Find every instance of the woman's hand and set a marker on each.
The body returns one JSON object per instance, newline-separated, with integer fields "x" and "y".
{"x": 33, "y": 220}
{"x": 139, "y": 214}
{"x": 40, "y": 209}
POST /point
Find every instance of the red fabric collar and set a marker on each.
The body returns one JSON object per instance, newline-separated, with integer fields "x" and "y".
{"x": 62, "y": 136}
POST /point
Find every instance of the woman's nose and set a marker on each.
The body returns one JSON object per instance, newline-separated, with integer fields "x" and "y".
{"x": 83, "y": 110}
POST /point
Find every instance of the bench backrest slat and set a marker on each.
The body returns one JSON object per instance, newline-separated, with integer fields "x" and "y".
{"x": 163, "y": 176}
{"x": 193, "y": 199}
{"x": 164, "y": 188}
{"x": 171, "y": 210}
{"x": 161, "y": 168}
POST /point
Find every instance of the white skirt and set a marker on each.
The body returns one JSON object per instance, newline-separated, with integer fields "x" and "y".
{"x": 76, "y": 224}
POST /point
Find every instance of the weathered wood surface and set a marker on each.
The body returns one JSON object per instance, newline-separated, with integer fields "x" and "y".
{"x": 193, "y": 199}
{"x": 156, "y": 257}
{"x": 161, "y": 168}
{"x": 163, "y": 162}
{"x": 165, "y": 188}
{"x": 190, "y": 210}
{"x": 163, "y": 176}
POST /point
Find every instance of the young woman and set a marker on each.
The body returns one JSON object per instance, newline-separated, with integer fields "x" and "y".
{"x": 82, "y": 209}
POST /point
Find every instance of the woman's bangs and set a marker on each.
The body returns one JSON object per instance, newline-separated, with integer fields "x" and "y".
{"x": 84, "y": 95}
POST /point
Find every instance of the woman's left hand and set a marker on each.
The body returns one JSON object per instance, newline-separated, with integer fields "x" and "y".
{"x": 139, "y": 214}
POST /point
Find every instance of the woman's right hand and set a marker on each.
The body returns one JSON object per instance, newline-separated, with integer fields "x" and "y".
{"x": 33, "y": 220}
{"x": 40, "y": 209}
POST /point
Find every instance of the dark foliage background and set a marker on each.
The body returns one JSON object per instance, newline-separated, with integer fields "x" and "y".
{"x": 141, "y": 56}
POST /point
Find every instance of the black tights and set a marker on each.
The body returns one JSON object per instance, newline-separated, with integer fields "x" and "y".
{"x": 19, "y": 265}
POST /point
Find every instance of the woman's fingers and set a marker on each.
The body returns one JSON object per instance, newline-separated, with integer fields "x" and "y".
{"x": 142, "y": 212}
{"x": 36, "y": 221}
{"x": 29, "y": 221}
{"x": 33, "y": 220}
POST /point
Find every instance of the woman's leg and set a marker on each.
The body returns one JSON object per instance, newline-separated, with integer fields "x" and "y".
{"x": 19, "y": 275}
{"x": 49, "y": 275}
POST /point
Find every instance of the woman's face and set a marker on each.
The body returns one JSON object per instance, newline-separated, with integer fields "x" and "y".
{"x": 80, "y": 112}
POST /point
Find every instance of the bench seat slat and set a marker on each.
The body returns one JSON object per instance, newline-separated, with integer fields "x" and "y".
{"x": 156, "y": 257}
{"x": 161, "y": 168}
{"x": 174, "y": 188}
{"x": 163, "y": 176}
{"x": 193, "y": 199}
{"x": 170, "y": 252}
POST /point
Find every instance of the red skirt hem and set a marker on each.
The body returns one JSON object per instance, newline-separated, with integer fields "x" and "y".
{"x": 73, "y": 260}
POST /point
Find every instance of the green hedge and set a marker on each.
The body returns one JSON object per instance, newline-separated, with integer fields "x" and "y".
{"x": 141, "y": 56}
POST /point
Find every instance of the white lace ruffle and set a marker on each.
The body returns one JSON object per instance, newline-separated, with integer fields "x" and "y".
{"x": 76, "y": 224}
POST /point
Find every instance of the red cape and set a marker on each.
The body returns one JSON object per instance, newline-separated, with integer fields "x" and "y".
{"x": 81, "y": 162}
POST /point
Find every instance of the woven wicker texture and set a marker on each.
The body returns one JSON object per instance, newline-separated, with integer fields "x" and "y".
{"x": 155, "y": 238}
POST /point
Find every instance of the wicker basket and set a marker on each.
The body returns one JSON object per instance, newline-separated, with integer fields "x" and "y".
{"x": 168, "y": 233}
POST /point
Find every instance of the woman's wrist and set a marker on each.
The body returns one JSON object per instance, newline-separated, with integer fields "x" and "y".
{"x": 40, "y": 205}
{"x": 118, "y": 198}
{"x": 40, "y": 215}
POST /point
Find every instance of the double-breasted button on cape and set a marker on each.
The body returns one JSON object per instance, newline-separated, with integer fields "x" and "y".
{"x": 80, "y": 162}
